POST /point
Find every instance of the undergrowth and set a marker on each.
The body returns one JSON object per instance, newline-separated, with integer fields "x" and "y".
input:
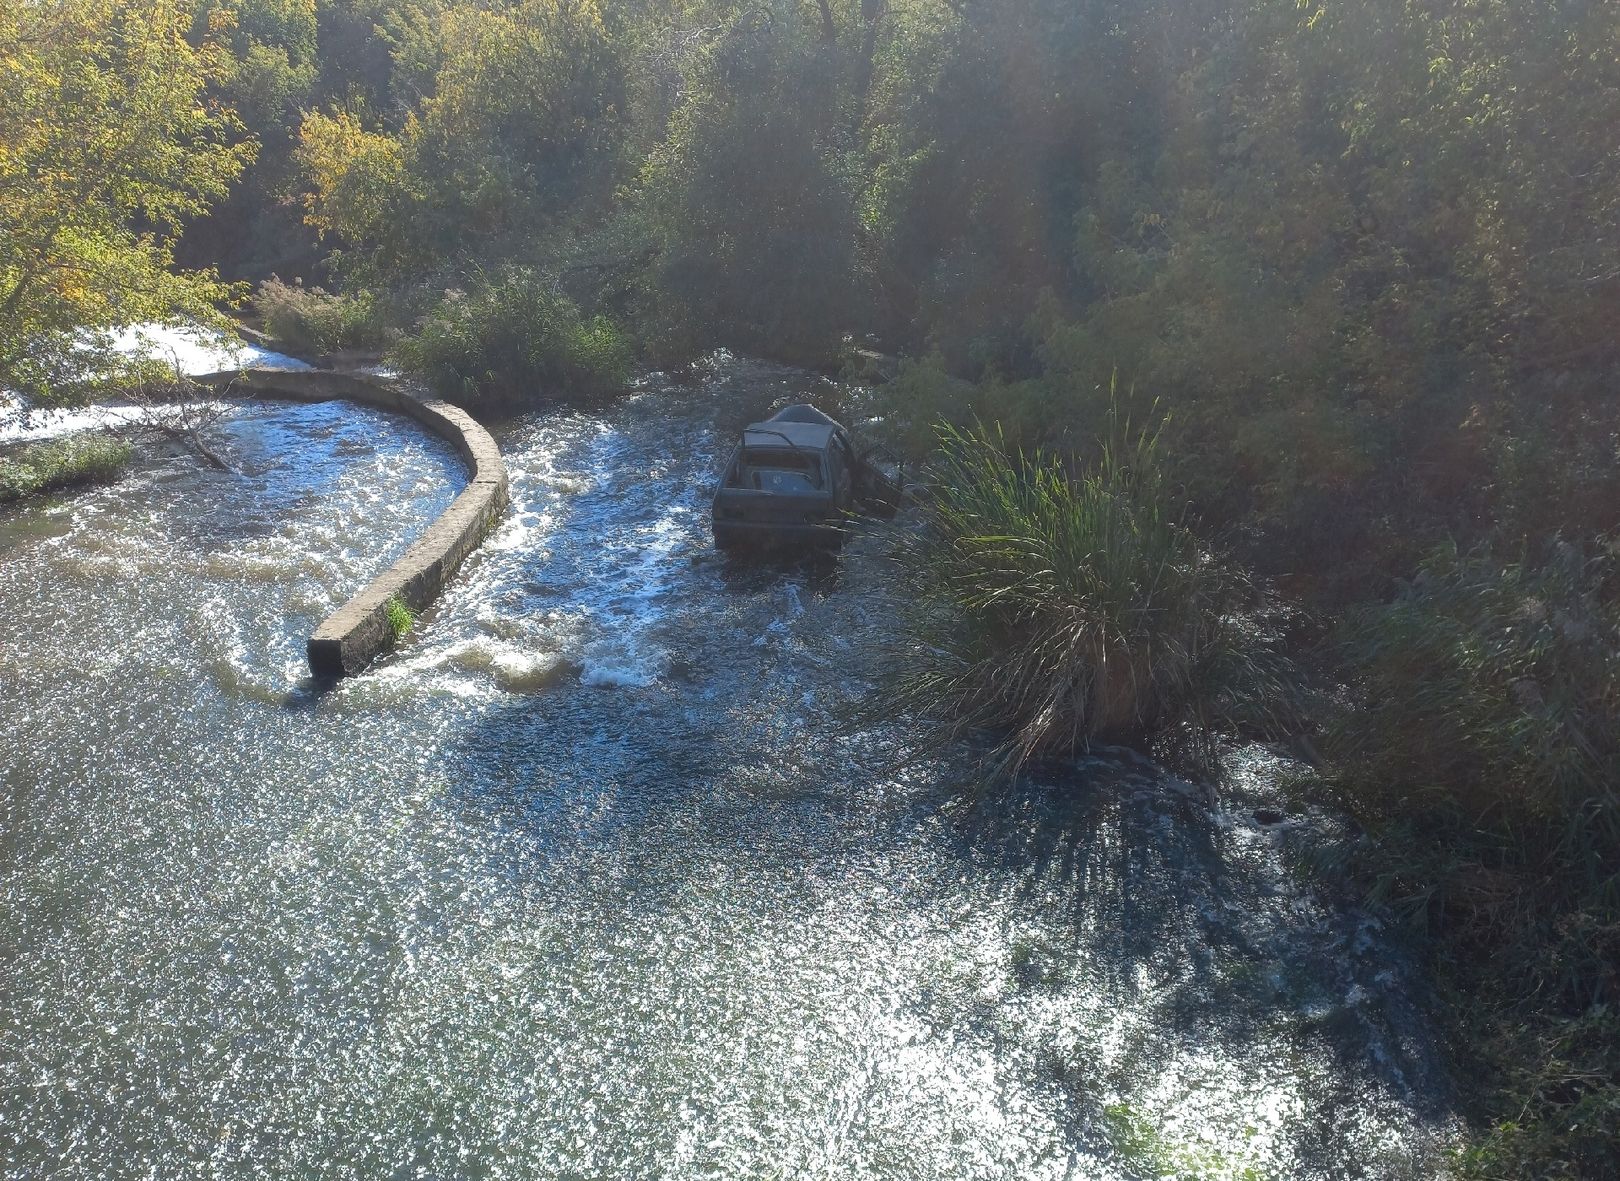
{"x": 514, "y": 339}
{"x": 313, "y": 320}
{"x": 36, "y": 468}
{"x": 1482, "y": 752}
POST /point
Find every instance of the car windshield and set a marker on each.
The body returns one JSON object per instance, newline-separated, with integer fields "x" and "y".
{"x": 774, "y": 470}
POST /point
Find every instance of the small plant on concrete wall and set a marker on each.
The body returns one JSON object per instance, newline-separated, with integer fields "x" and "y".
{"x": 400, "y": 618}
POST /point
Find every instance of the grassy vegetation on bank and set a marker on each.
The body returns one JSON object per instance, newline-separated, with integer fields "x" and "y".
{"x": 513, "y": 338}
{"x": 401, "y": 619}
{"x": 311, "y": 321}
{"x": 1482, "y": 753}
{"x": 1473, "y": 731}
{"x": 36, "y": 468}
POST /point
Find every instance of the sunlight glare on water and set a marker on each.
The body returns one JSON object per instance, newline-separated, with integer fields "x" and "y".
{"x": 606, "y": 873}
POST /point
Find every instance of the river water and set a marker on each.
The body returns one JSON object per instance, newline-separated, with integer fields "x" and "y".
{"x": 610, "y": 871}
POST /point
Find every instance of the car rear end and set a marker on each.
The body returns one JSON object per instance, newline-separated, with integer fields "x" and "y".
{"x": 775, "y": 496}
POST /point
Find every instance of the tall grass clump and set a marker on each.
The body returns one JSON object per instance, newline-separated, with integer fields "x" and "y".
{"x": 37, "y": 468}
{"x": 515, "y": 339}
{"x": 1051, "y": 609}
{"x": 313, "y": 320}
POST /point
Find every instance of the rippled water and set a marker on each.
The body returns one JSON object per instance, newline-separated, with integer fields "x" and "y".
{"x": 603, "y": 874}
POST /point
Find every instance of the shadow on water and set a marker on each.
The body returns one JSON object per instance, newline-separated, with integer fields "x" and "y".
{"x": 1092, "y": 940}
{"x": 1099, "y": 934}
{"x": 1196, "y": 911}
{"x": 308, "y": 693}
{"x": 1109, "y": 887}
{"x": 749, "y": 572}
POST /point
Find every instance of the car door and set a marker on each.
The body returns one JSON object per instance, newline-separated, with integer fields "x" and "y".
{"x": 843, "y": 474}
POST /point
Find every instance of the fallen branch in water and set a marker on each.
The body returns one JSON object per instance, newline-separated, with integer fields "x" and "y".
{"x": 174, "y": 411}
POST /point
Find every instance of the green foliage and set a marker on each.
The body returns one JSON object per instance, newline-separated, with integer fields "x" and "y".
{"x": 271, "y": 69}
{"x": 362, "y": 191}
{"x": 1489, "y": 694}
{"x": 267, "y": 79}
{"x": 747, "y": 204}
{"x": 1484, "y": 753}
{"x": 1140, "y": 1143}
{"x": 1491, "y": 691}
{"x": 312, "y": 321}
{"x": 980, "y": 128}
{"x": 1033, "y": 413}
{"x": 35, "y": 468}
{"x": 1560, "y": 1080}
{"x": 1053, "y": 610}
{"x": 107, "y": 147}
{"x": 400, "y": 618}
{"x": 515, "y": 339}
{"x": 517, "y": 128}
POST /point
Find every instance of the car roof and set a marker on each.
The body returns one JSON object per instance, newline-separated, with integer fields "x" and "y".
{"x": 810, "y": 436}
{"x": 803, "y": 412}
{"x": 800, "y": 425}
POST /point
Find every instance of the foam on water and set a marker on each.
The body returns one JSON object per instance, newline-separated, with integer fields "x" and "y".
{"x": 627, "y": 613}
{"x": 194, "y": 350}
{"x": 191, "y": 350}
{"x": 22, "y": 423}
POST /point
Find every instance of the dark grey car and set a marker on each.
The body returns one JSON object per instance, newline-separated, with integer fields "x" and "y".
{"x": 793, "y": 479}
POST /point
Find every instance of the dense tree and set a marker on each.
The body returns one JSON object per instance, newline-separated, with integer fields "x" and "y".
{"x": 109, "y": 142}
{"x": 269, "y": 79}
{"x": 747, "y": 200}
{"x": 518, "y": 128}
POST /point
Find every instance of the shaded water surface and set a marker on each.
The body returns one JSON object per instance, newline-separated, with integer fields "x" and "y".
{"x": 603, "y": 875}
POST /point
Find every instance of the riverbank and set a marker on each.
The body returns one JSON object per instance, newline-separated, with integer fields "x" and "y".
{"x": 34, "y": 469}
{"x": 1464, "y": 718}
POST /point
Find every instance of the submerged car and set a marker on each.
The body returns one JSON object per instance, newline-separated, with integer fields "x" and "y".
{"x": 794, "y": 479}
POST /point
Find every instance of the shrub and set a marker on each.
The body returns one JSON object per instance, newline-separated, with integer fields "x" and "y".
{"x": 515, "y": 339}
{"x": 1560, "y": 1079}
{"x": 312, "y": 320}
{"x": 1054, "y": 611}
{"x": 61, "y": 463}
{"x": 923, "y": 395}
{"x": 1037, "y": 412}
{"x": 1489, "y": 700}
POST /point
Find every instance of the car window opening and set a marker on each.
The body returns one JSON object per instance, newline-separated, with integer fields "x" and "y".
{"x": 778, "y": 471}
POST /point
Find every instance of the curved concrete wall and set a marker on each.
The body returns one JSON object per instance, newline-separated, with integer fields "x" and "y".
{"x": 358, "y": 631}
